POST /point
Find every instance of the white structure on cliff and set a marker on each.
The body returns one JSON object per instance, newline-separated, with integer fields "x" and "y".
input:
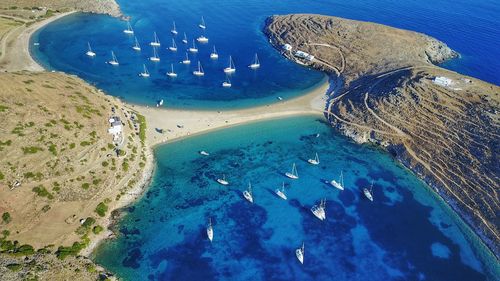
{"x": 442, "y": 81}
{"x": 116, "y": 127}
{"x": 304, "y": 55}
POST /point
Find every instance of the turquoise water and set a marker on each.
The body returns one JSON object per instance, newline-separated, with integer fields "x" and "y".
{"x": 234, "y": 26}
{"x": 405, "y": 234}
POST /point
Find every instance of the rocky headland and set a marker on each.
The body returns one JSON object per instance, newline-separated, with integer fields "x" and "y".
{"x": 442, "y": 125}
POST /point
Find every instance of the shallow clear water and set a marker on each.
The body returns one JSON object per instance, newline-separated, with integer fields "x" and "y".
{"x": 405, "y": 234}
{"x": 234, "y": 26}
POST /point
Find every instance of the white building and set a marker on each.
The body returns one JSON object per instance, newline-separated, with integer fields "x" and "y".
{"x": 442, "y": 81}
{"x": 116, "y": 127}
{"x": 304, "y": 55}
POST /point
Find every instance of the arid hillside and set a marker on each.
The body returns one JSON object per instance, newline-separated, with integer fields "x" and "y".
{"x": 446, "y": 130}
{"x": 29, "y": 8}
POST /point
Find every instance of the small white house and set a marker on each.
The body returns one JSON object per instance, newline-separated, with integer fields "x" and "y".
{"x": 442, "y": 81}
{"x": 116, "y": 127}
{"x": 304, "y": 55}
{"x": 287, "y": 47}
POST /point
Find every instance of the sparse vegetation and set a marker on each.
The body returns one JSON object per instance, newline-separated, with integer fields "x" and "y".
{"x": 42, "y": 192}
{"x": 6, "y": 218}
{"x": 101, "y": 209}
{"x": 31, "y": 149}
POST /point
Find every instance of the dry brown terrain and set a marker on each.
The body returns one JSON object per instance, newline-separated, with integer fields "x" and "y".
{"x": 58, "y": 164}
{"x": 448, "y": 135}
{"x": 33, "y": 9}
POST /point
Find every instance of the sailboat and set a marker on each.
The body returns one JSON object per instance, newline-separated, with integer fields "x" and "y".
{"x": 281, "y": 192}
{"x": 129, "y": 29}
{"x": 214, "y": 54}
{"x": 230, "y": 68}
{"x": 294, "y": 174}
{"x": 171, "y": 73}
{"x": 314, "y": 161}
{"x": 199, "y": 71}
{"x": 113, "y": 60}
{"x": 248, "y": 193}
{"x": 223, "y": 181}
{"x": 202, "y": 23}
{"x": 145, "y": 72}
{"x": 227, "y": 83}
{"x": 319, "y": 210}
{"x": 193, "y": 49}
{"x": 368, "y": 193}
{"x": 256, "y": 63}
{"x": 204, "y": 153}
{"x": 136, "y": 46}
{"x": 210, "y": 230}
{"x": 202, "y": 39}
{"x": 159, "y": 103}
{"x": 338, "y": 184}
{"x": 155, "y": 57}
{"x": 186, "y": 60}
{"x": 185, "y": 39}
{"x": 174, "y": 30}
{"x": 156, "y": 42}
{"x": 299, "y": 253}
{"x": 89, "y": 52}
{"x": 173, "y": 48}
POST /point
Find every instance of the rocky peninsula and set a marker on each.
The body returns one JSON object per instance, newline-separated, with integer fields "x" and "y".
{"x": 440, "y": 124}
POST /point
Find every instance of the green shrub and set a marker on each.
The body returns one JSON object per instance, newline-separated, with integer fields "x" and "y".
{"x": 2, "y": 176}
{"x": 14, "y": 266}
{"x": 42, "y": 192}
{"x": 6, "y": 217}
{"x": 31, "y": 149}
{"x": 73, "y": 250}
{"x": 97, "y": 229}
{"x": 85, "y": 143}
{"x": 101, "y": 209}
{"x": 85, "y": 185}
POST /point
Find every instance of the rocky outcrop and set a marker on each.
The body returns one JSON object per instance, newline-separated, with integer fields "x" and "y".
{"x": 445, "y": 133}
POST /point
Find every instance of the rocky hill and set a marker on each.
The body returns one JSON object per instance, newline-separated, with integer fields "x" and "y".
{"x": 25, "y": 7}
{"x": 445, "y": 130}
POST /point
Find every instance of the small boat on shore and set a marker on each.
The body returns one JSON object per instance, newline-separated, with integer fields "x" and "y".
{"x": 319, "y": 210}
{"x": 223, "y": 181}
{"x": 199, "y": 71}
{"x": 338, "y": 184}
{"x": 368, "y": 192}
{"x": 172, "y": 73}
{"x": 129, "y": 29}
{"x": 159, "y": 103}
{"x": 114, "y": 60}
{"x": 256, "y": 63}
{"x": 202, "y": 24}
{"x": 173, "y": 48}
{"x": 156, "y": 41}
{"x": 89, "y": 52}
{"x": 227, "y": 83}
{"x": 174, "y": 30}
{"x": 248, "y": 193}
{"x": 314, "y": 161}
{"x": 186, "y": 60}
{"x": 294, "y": 174}
{"x": 155, "y": 57}
{"x": 214, "y": 54}
{"x": 136, "y": 46}
{"x": 281, "y": 192}
{"x": 210, "y": 230}
{"x": 231, "y": 68}
{"x": 193, "y": 48}
{"x": 145, "y": 72}
{"x": 204, "y": 153}
{"x": 185, "y": 39}
{"x": 299, "y": 253}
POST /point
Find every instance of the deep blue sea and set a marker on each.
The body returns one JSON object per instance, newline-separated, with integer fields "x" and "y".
{"x": 407, "y": 233}
{"x": 235, "y": 28}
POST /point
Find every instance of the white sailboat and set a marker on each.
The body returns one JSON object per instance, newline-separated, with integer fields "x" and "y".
{"x": 186, "y": 60}
{"x": 156, "y": 42}
{"x": 173, "y": 48}
{"x": 145, "y": 72}
{"x": 338, "y": 184}
{"x": 294, "y": 174}
{"x": 248, "y": 193}
{"x": 202, "y": 24}
{"x": 136, "y": 46}
{"x": 155, "y": 57}
{"x": 281, "y": 192}
{"x": 214, "y": 54}
{"x": 171, "y": 73}
{"x": 227, "y": 83}
{"x": 368, "y": 192}
{"x": 89, "y": 52}
{"x": 230, "y": 68}
{"x": 256, "y": 63}
{"x": 210, "y": 230}
{"x": 202, "y": 39}
{"x": 319, "y": 210}
{"x": 185, "y": 39}
{"x": 314, "y": 161}
{"x": 193, "y": 48}
{"x": 199, "y": 71}
{"x": 299, "y": 253}
{"x": 174, "y": 30}
{"x": 223, "y": 181}
{"x": 129, "y": 29}
{"x": 114, "y": 60}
